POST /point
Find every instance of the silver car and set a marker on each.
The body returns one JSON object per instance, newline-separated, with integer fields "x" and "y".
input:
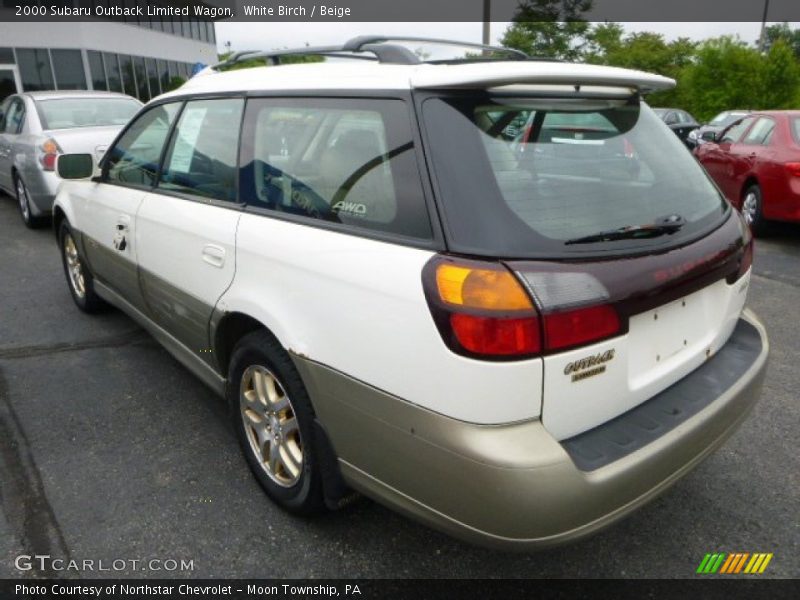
{"x": 35, "y": 127}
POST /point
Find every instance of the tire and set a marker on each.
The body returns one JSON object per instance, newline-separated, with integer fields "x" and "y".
{"x": 752, "y": 210}
{"x": 24, "y": 205}
{"x": 79, "y": 279}
{"x": 274, "y": 422}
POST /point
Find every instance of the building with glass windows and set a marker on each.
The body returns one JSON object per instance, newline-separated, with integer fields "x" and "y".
{"x": 140, "y": 57}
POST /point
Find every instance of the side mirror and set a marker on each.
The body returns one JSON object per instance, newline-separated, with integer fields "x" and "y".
{"x": 75, "y": 166}
{"x": 709, "y": 136}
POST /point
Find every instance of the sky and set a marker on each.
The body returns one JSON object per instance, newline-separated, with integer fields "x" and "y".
{"x": 272, "y": 35}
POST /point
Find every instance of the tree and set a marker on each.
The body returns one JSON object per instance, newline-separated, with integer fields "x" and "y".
{"x": 782, "y": 32}
{"x": 728, "y": 74}
{"x": 549, "y": 28}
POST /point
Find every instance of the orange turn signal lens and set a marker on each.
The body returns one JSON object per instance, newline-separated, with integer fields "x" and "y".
{"x": 486, "y": 289}
{"x": 50, "y": 147}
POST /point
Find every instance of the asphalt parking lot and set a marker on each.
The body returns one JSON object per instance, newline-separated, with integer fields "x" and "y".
{"x": 110, "y": 449}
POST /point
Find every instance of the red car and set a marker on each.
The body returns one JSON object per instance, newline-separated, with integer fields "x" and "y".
{"x": 756, "y": 163}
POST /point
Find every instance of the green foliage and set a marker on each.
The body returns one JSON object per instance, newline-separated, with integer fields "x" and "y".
{"x": 174, "y": 83}
{"x": 782, "y": 32}
{"x": 717, "y": 74}
{"x": 549, "y": 28}
{"x": 729, "y": 74}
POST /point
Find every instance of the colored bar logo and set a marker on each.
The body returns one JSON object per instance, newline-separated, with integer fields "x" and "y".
{"x": 734, "y": 563}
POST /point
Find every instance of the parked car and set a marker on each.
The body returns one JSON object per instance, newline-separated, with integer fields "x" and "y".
{"x": 35, "y": 127}
{"x": 515, "y": 347}
{"x": 709, "y": 131}
{"x": 756, "y": 164}
{"x": 680, "y": 121}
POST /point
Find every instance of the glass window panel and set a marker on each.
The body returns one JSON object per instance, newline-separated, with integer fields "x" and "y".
{"x": 34, "y": 69}
{"x": 6, "y": 56}
{"x": 134, "y": 159}
{"x": 152, "y": 76}
{"x": 349, "y": 162}
{"x": 142, "y": 86}
{"x": 112, "y": 72}
{"x": 68, "y": 67}
{"x": 97, "y": 71}
{"x": 202, "y": 155}
{"x": 128, "y": 80}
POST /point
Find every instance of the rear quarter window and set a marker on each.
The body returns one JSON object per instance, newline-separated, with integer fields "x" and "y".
{"x": 343, "y": 161}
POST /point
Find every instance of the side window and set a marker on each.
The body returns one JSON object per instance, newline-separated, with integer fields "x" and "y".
{"x": 202, "y": 155}
{"x": 348, "y": 161}
{"x": 735, "y": 131}
{"x": 671, "y": 119}
{"x": 15, "y": 117}
{"x": 761, "y": 133}
{"x": 135, "y": 157}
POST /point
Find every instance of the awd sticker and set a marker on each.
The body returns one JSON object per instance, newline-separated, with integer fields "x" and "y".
{"x": 589, "y": 366}
{"x": 350, "y": 208}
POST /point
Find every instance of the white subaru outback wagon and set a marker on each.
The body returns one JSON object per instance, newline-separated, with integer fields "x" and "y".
{"x": 498, "y": 296}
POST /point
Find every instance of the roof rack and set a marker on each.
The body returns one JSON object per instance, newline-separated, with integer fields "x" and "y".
{"x": 376, "y": 45}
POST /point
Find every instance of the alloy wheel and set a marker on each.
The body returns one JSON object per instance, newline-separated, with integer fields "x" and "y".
{"x": 271, "y": 425}
{"x": 750, "y": 208}
{"x": 74, "y": 266}
{"x": 22, "y": 198}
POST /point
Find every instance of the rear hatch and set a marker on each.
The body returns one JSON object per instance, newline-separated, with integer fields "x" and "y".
{"x": 637, "y": 265}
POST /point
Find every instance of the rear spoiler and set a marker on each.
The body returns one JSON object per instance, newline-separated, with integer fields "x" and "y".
{"x": 483, "y": 75}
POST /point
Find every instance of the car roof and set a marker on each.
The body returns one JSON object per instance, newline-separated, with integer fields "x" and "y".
{"x": 356, "y": 75}
{"x": 61, "y": 94}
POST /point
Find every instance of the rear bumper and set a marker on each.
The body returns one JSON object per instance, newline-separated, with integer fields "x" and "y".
{"x": 515, "y": 486}
{"x": 42, "y": 187}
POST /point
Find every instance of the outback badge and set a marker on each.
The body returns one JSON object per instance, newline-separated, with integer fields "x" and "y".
{"x": 589, "y": 366}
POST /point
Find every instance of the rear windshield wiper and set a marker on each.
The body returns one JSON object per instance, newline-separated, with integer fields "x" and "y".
{"x": 662, "y": 226}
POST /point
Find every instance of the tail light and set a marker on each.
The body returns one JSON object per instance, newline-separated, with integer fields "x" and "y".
{"x": 793, "y": 168}
{"x": 484, "y": 311}
{"x": 48, "y": 151}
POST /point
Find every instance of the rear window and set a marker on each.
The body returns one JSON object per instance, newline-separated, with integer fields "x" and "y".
{"x": 70, "y": 113}
{"x": 576, "y": 169}
{"x": 796, "y": 129}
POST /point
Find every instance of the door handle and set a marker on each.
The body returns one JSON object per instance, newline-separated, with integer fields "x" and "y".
{"x": 120, "y": 240}
{"x": 214, "y": 255}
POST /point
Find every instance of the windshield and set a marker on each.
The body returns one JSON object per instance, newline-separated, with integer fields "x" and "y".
{"x": 724, "y": 119}
{"x": 576, "y": 169}
{"x": 69, "y": 113}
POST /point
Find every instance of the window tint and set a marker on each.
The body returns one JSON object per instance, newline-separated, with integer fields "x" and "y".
{"x": 6, "y": 56}
{"x": 143, "y": 90}
{"x": 761, "y": 133}
{"x": 202, "y": 155}
{"x": 14, "y": 117}
{"x": 112, "y": 70}
{"x": 152, "y": 76}
{"x": 68, "y": 67}
{"x": 734, "y": 133}
{"x": 135, "y": 157}
{"x": 128, "y": 81}
{"x": 342, "y": 161}
{"x": 97, "y": 71}
{"x": 579, "y": 168}
{"x": 34, "y": 69}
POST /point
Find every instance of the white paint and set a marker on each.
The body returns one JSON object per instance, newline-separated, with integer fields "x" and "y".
{"x": 367, "y": 75}
{"x": 357, "y": 305}
{"x": 647, "y": 360}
